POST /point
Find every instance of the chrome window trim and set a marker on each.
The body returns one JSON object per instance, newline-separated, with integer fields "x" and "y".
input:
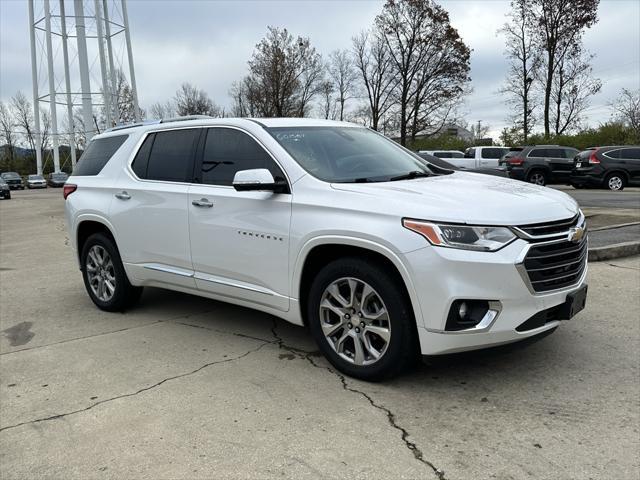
{"x": 144, "y": 136}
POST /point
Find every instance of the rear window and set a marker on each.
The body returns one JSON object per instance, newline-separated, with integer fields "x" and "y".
{"x": 630, "y": 153}
{"x": 493, "y": 152}
{"x": 97, "y": 154}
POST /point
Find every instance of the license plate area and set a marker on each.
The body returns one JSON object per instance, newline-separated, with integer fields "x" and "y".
{"x": 574, "y": 303}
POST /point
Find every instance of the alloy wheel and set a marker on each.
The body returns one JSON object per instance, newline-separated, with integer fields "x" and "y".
{"x": 615, "y": 183}
{"x": 355, "y": 321}
{"x": 101, "y": 273}
{"x": 537, "y": 178}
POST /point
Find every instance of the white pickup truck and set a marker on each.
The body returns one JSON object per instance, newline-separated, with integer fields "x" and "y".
{"x": 480, "y": 157}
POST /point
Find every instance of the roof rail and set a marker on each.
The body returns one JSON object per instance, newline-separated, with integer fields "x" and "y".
{"x": 185, "y": 118}
{"x": 131, "y": 125}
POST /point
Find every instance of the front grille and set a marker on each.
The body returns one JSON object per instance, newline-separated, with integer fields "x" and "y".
{"x": 557, "y": 265}
{"x": 550, "y": 228}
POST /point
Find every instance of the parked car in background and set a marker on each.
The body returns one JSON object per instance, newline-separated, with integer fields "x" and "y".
{"x": 607, "y": 167}
{"x": 5, "y": 191}
{"x": 481, "y": 157}
{"x": 57, "y": 179}
{"x": 330, "y": 225}
{"x": 444, "y": 153}
{"x": 440, "y": 162}
{"x": 542, "y": 164}
{"x": 13, "y": 179}
{"x": 36, "y": 181}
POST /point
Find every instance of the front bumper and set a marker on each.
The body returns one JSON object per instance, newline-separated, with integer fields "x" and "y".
{"x": 444, "y": 275}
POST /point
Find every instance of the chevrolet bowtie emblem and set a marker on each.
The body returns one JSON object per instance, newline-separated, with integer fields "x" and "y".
{"x": 576, "y": 234}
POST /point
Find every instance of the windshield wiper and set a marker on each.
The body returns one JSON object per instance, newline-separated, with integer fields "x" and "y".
{"x": 411, "y": 175}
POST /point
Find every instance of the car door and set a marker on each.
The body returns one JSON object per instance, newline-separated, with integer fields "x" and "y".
{"x": 631, "y": 159}
{"x": 239, "y": 240}
{"x": 560, "y": 161}
{"x": 149, "y": 211}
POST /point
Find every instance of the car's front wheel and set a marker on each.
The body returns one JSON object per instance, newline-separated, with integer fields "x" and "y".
{"x": 615, "y": 182}
{"x": 104, "y": 276}
{"x": 361, "y": 319}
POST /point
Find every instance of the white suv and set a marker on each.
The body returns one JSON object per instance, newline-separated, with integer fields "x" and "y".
{"x": 330, "y": 225}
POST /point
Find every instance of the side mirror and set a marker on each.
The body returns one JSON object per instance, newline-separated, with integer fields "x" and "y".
{"x": 258, "y": 179}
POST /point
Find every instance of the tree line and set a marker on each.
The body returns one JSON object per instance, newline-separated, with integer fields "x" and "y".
{"x": 406, "y": 75}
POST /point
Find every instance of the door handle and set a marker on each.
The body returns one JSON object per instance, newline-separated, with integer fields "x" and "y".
{"x": 203, "y": 202}
{"x": 123, "y": 196}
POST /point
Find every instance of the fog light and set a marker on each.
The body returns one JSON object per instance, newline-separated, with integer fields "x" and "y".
{"x": 462, "y": 311}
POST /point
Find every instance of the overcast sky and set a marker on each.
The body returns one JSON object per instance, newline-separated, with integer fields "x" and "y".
{"x": 209, "y": 42}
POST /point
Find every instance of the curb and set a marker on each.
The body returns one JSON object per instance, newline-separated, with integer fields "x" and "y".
{"x": 612, "y": 227}
{"x": 618, "y": 250}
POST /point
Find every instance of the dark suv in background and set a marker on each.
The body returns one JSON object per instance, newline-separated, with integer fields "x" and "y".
{"x": 609, "y": 167}
{"x": 542, "y": 164}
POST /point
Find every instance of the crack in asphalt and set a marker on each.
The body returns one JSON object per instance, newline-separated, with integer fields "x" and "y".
{"x": 391, "y": 418}
{"x": 145, "y": 389}
{"x": 622, "y": 266}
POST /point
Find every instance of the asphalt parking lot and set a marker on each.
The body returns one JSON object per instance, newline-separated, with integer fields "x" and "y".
{"x": 185, "y": 387}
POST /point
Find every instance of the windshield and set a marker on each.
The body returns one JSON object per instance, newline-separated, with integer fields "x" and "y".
{"x": 59, "y": 176}
{"x": 348, "y": 154}
{"x": 35, "y": 177}
{"x": 10, "y": 175}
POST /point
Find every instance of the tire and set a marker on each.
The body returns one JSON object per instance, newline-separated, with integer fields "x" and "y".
{"x": 615, "y": 182}
{"x": 537, "y": 177}
{"x": 8, "y": 196}
{"x": 395, "y": 354}
{"x": 100, "y": 253}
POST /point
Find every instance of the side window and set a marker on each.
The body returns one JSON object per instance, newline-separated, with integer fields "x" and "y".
{"x": 457, "y": 155}
{"x": 171, "y": 155}
{"x": 227, "y": 151}
{"x": 470, "y": 153}
{"x": 630, "y": 153}
{"x": 537, "y": 153}
{"x": 442, "y": 154}
{"x": 97, "y": 154}
{"x": 492, "y": 152}
{"x": 139, "y": 165}
{"x": 556, "y": 153}
{"x": 570, "y": 152}
{"x": 613, "y": 153}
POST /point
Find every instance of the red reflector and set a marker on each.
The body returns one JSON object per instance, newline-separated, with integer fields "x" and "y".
{"x": 515, "y": 161}
{"x": 593, "y": 158}
{"x": 68, "y": 189}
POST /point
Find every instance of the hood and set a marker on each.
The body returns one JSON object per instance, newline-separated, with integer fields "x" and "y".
{"x": 463, "y": 197}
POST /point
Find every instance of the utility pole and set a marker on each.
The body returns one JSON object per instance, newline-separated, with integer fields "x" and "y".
{"x": 132, "y": 75}
{"x": 36, "y": 100}
{"x": 67, "y": 82}
{"x": 52, "y": 88}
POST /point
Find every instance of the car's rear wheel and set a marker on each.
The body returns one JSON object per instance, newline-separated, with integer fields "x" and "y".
{"x": 104, "y": 276}
{"x": 615, "y": 182}
{"x": 361, "y": 319}
{"x": 537, "y": 177}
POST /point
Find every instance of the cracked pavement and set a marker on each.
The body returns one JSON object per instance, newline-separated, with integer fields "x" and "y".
{"x": 185, "y": 387}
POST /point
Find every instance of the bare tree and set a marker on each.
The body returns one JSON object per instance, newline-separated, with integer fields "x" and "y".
{"x": 573, "y": 85}
{"x": 284, "y": 74}
{"x": 430, "y": 63}
{"x": 328, "y": 100}
{"x": 524, "y": 61}
{"x": 342, "y": 75}
{"x": 190, "y": 100}
{"x": 626, "y": 109}
{"x": 160, "y": 110}
{"x": 558, "y": 26}
{"x": 373, "y": 63}
{"x": 23, "y": 114}
{"x": 7, "y": 132}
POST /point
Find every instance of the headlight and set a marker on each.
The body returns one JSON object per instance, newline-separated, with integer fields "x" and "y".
{"x": 484, "y": 239}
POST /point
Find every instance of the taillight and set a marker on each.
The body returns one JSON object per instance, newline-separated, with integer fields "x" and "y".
{"x": 68, "y": 189}
{"x": 515, "y": 161}
{"x": 593, "y": 158}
